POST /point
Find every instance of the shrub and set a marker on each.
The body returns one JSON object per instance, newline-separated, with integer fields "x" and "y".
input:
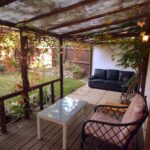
{"x": 14, "y": 63}
{"x": 2, "y": 68}
{"x": 78, "y": 72}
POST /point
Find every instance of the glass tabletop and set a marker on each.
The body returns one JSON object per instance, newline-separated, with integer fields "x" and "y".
{"x": 63, "y": 110}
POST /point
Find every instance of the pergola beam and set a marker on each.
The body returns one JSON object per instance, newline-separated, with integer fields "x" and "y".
{"x": 6, "y": 2}
{"x": 74, "y": 22}
{"x": 13, "y": 25}
{"x": 60, "y": 10}
{"x": 103, "y": 38}
{"x": 103, "y": 25}
{"x": 101, "y": 31}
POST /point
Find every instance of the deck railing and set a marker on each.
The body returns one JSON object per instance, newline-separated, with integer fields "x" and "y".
{"x": 6, "y": 97}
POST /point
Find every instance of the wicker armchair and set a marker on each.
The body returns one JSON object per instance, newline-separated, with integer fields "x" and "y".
{"x": 113, "y": 127}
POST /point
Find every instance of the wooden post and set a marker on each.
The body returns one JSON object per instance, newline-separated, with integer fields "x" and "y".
{"x": 24, "y": 73}
{"x": 61, "y": 67}
{"x": 91, "y": 59}
{"x": 144, "y": 74}
{"x": 147, "y": 136}
{"x": 3, "y": 117}
{"x": 41, "y": 97}
{"x": 52, "y": 93}
{"x": 145, "y": 60}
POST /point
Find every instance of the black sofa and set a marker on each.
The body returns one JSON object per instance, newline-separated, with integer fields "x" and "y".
{"x": 109, "y": 79}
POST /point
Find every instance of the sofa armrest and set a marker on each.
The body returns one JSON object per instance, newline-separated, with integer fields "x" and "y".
{"x": 92, "y": 77}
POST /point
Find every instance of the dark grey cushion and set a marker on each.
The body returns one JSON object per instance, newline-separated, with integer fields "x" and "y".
{"x": 110, "y": 81}
{"x": 100, "y": 73}
{"x": 112, "y": 74}
{"x": 125, "y": 75}
{"x": 98, "y": 81}
{"x": 120, "y": 82}
{"x": 112, "y": 84}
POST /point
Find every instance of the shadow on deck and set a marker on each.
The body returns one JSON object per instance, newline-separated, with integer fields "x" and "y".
{"x": 23, "y": 135}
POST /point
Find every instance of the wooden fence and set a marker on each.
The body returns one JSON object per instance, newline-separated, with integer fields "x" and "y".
{"x": 79, "y": 57}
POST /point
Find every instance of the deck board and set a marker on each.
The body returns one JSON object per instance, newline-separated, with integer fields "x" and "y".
{"x": 23, "y": 135}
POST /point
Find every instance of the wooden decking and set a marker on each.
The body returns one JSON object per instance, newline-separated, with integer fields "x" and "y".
{"x": 23, "y": 135}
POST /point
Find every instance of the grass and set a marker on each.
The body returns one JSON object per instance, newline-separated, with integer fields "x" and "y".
{"x": 70, "y": 85}
{"x": 8, "y": 83}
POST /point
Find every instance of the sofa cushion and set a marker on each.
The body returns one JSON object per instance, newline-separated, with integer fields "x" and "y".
{"x": 98, "y": 81}
{"x": 110, "y": 81}
{"x": 119, "y": 83}
{"x": 100, "y": 73}
{"x": 125, "y": 75}
{"x": 112, "y": 74}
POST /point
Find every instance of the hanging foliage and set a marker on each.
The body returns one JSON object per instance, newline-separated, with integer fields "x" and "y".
{"x": 9, "y": 43}
{"x": 133, "y": 52}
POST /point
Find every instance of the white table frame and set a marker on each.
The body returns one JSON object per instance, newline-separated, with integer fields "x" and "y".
{"x": 64, "y": 140}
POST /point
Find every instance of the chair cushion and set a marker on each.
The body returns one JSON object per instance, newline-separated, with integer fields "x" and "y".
{"x": 104, "y": 132}
{"x": 112, "y": 74}
{"x": 100, "y": 73}
{"x": 133, "y": 113}
{"x": 136, "y": 101}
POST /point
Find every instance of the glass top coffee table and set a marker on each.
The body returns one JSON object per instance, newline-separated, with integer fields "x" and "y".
{"x": 62, "y": 112}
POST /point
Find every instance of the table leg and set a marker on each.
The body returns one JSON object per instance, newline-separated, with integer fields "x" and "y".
{"x": 38, "y": 128}
{"x": 64, "y": 137}
{"x": 84, "y": 113}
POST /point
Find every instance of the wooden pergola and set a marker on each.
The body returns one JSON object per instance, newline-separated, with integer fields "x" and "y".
{"x": 77, "y": 20}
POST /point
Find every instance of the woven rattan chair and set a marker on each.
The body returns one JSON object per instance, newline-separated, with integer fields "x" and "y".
{"x": 113, "y": 127}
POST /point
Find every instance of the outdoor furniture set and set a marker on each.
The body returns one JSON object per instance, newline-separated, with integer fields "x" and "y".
{"x": 110, "y": 127}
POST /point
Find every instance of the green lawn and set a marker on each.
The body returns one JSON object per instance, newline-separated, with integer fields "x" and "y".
{"x": 8, "y": 83}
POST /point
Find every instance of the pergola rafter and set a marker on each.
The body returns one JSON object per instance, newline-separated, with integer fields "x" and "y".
{"x": 103, "y": 25}
{"x": 6, "y": 2}
{"x": 118, "y": 28}
{"x": 25, "y": 24}
{"x": 59, "y": 10}
{"x": 26, "y": 28}
{"x": 102, "y": 37}
{"x": 74, "y": 22}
